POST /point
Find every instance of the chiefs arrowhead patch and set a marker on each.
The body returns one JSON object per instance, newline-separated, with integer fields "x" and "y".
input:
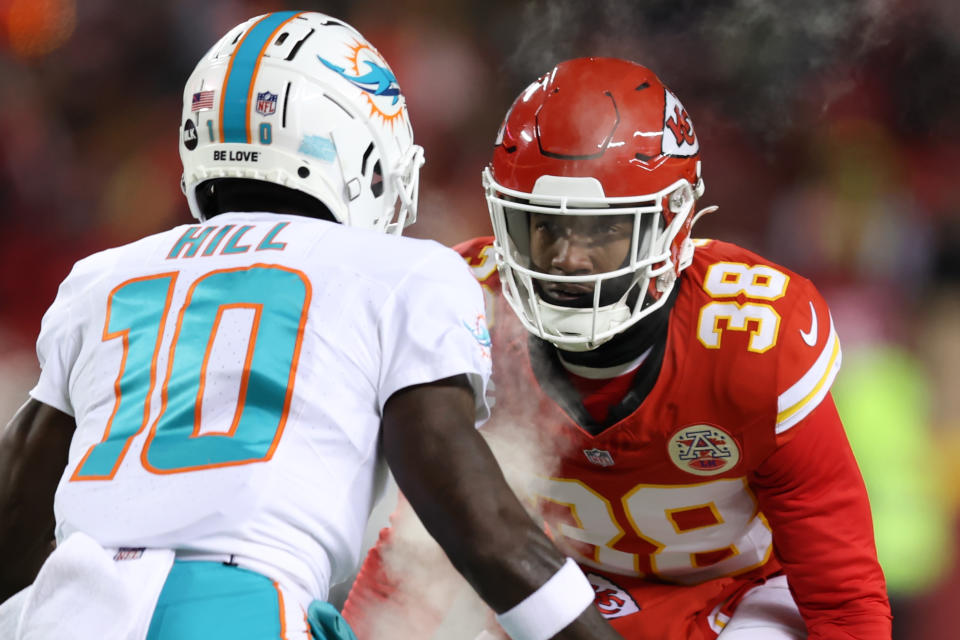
{"x": 703, "y": 450}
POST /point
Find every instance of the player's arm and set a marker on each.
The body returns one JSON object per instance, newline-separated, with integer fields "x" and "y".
{"x": 447, "y": 472}
{"x": 33, "y": 454}
{"x": 813, "y": 496}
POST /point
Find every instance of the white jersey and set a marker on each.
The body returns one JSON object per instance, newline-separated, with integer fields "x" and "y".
{"x": 228, "y": 379}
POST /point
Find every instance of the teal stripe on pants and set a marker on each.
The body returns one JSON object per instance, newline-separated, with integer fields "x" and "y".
{"x": 215, "y": 601}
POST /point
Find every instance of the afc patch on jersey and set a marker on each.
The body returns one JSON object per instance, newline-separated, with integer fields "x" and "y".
{"x": 703, "y": 450}
{"x": 611, "y": 600}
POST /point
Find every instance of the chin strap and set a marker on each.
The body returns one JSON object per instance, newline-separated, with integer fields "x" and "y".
{"x": 666, "y": 279}
{"x": 686, "y": 255}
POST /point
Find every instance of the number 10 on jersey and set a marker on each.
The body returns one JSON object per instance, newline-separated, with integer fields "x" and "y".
{"x": 137, "y": 315}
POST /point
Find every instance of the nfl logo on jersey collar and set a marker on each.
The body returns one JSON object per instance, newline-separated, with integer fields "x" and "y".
{"x": 703, "y": 450}
{"x": 599, "y": 457}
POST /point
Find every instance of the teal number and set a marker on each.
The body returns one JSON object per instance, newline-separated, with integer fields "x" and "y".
{"x": 278, "y": 299}
{"x": 266, "y": 133}
{"x": 210, "y": 129}
{"x": 135, "y": 313}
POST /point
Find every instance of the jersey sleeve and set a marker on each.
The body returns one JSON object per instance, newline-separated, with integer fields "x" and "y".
{"x": 433, "y": 327}
{"x": 809, "y": 356}
{"x": 811, "y": 492}
{"x": 406, "y": 586}
{"x": 478, "y": 253}
{"x": 58, "y": 346}
{"x": 480, "y": 257}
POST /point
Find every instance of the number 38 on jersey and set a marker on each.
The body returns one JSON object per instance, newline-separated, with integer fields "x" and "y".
{"x": 756, "y": 285}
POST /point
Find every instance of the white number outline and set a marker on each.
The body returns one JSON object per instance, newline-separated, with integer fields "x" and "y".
{"x": 739, "y": 315}
{"x": 754, "y": 290}
{"x": 752, "y": 524}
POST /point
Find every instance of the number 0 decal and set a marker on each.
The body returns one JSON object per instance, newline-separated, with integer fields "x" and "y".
{"x": 277, "y": 299}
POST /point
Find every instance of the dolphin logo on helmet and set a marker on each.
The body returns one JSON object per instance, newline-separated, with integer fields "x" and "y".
{"x": 378, "y": 81}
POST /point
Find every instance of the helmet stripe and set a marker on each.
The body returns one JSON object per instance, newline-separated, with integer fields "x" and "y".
{"x": 241, "y": 74}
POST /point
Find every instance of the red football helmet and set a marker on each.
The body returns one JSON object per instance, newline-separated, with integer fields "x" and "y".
{"x": 595, "y": 140}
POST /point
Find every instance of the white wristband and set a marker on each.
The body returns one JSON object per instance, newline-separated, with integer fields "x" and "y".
{"x": 546, "y": 611}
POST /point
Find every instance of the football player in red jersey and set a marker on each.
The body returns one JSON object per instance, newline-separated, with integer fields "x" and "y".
{"x": 702, "y": 476}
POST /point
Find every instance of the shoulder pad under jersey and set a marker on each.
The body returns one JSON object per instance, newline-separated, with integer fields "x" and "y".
{"x": 479, "y": 254}
{"x": 776, "y": 314}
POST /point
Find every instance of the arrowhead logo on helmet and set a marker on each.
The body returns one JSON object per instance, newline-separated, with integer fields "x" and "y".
{"x": 679, "y": 138}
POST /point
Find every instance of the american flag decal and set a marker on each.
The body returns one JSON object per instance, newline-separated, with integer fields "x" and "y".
{"x": 202, "y": 101}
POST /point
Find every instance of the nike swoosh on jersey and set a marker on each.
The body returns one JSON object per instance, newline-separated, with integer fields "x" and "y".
{"x": 810, "y": 337}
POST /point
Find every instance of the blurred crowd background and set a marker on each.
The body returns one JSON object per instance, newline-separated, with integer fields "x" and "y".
{"x": 831, "y": 141}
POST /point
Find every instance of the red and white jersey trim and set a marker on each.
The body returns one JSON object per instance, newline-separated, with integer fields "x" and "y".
{"x": 796, "y": 403}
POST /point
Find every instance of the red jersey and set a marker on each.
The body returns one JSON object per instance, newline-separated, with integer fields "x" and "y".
{"x": 733, "y": 467}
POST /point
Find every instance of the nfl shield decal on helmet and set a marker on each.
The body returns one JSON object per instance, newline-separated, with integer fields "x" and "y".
{"x": 703, "y": 450}
{"x": 599, "y": 457}
{"x": 611, "y": 600}
{"x": 266, "y": 103}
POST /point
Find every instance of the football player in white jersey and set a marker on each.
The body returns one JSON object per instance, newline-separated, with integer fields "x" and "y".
{"x": 206, "y": 436}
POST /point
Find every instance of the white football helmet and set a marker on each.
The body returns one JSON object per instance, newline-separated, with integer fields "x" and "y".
{"x": 303, "y": 100}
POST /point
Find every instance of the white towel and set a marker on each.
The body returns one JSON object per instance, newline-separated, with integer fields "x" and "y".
{"x": 10, "y": 613}
{"x": 86, "y": 592}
